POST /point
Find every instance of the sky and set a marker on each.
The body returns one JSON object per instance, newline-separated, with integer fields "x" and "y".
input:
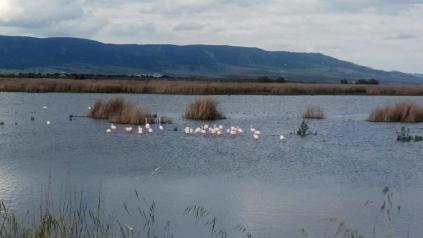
{"x": 383, "y": 34}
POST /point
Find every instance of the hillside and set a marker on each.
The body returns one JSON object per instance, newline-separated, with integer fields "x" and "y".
{"x": 74, "y": 55}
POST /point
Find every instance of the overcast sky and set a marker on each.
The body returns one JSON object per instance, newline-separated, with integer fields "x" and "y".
{"x": 384, "y": 34}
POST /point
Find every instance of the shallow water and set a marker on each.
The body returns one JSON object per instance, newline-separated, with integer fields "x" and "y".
{"x": 275, "y": 189}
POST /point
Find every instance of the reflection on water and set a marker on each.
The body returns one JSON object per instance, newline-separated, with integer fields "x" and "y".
{"x": 274, "y": 188}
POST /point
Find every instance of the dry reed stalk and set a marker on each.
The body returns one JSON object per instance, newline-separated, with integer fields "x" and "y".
{"x": 399, "y": 112}
{"x": 203, "y": 109}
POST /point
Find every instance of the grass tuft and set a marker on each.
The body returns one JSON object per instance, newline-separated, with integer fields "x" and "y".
{"x": 118, "y": 110}
{"x": 203, "y": 109}
{"x": 399, "y": 112}
{"x": 313, "y": 112}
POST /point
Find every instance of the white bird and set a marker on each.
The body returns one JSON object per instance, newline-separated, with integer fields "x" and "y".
{"x": 89, "y": 108}
{"x": 220, "y": 127}
{"x": 160, "y": 124}
{"x": 150, "y": 130}
{"x": 48, "y": 122}
{"x": 147, "y": 125}
{"x": 240, "y": 130}
{"x": 113, "y": 127}
{"x": 206, "y": 126}
{"x": 256, "y": 136}
{"x": 140, "y": 130}
{"x": 219, "y": 133}
{"x": 155, "y": 171}
{"x": 44, "y": 107}
{"x": 109, "y": 130}
{"x": 252, "y": 130}
{"x": 257, "y": 132}
{"x": 128, "y": 129}
{"x": 282, "y": 138}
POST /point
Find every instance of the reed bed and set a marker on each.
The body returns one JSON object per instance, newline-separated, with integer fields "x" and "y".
{"x": 118, "y": 110}
{"x": 313, "y": 112}
{"x": 398, "y": 112}
{"x": 203, "y": 109}
{"x": 199, "y": 87}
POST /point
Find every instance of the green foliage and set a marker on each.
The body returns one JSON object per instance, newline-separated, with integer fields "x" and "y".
{"x": 304, "y": 129}
{"x": 404, "y": 136}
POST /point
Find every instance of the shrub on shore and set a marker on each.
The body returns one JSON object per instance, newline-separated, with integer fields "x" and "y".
{"x": 118, "y": 110}
{"x": 399, "y": 112}
{"x": 203, "y": 109}
{"x": 313, "y": 112}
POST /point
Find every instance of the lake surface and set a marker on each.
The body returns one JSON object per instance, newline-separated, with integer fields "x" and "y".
{"x": 275, "y": 189}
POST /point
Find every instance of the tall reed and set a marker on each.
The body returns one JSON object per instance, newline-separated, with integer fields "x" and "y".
{"x": 118, "y": 110}
{"x": 313, "y": 112}
{"x": 203, "y": 109}
{"x": 199, "y": 87}
{"x": 398, "y": 112}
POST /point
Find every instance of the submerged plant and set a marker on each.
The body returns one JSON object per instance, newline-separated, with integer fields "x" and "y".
{"x": 304, "y": 129}
{"x": 404, "y": 136}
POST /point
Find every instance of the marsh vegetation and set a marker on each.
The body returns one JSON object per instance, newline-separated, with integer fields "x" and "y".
{"x": 119, "y": 110}
{"x": 199, "y": 87}
{"x": 313, "y": 112}
{"x": 398, "y": 112}
{"x": 203, "y": 109}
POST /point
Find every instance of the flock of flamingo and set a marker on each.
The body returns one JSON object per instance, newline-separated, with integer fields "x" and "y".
{"x": 215, "y": 130}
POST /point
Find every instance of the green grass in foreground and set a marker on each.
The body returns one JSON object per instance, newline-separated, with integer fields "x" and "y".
{"x": 73, "y": 219}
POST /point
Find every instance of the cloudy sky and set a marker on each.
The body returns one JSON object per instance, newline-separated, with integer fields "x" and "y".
{"x": 384, "y": 34}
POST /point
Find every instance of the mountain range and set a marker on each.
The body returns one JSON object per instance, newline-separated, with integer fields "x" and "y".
{"x": 74, "y": 55}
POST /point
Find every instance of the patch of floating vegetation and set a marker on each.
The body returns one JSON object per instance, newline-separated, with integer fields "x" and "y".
{"x": 404, "y": 136}
{"x": 398, "y": 112}
{"x": 304, "y": 130}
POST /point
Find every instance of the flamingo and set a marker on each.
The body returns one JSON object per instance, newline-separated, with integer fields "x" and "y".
{"x": 160, "y": 124}
{"x": 252, "y": 130}
{"x": 147, "y": 125}
{"x": 221, "y": 127}
{"x": 256, "y": 136}
{"x": 257, "y": 132}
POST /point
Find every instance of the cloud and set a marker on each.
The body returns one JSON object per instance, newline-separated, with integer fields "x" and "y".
{"x": 40, "y": 13}
{"x": 188, "y": 26}
{"x": 377, "y": 33}
{"x": 401, "y": 36}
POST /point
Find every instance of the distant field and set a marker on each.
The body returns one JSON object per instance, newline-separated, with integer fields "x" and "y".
{"x": 189, "y": 87}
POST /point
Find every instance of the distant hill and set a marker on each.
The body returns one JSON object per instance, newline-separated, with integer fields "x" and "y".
{"x": 72, "y": 55}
